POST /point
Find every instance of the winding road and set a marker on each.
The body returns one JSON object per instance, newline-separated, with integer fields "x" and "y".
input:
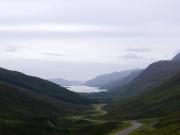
{"x": 135, "y": 125}
{"x": 100, "y": 112}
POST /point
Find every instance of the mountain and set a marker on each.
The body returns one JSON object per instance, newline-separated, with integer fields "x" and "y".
{"x": 31, "y": 105}
{"x": 40, "y": 86}
{"x": 152, "y": 77}
{"x": 64, "y": 82}
{"x": 18, "y": 103}
{"x": 177, "y": 57}
{"x": 123, "y": 81}
{"x": 103, "y": 80}
{"x": 166, "y": 125}
{"x": 156, "y": 102}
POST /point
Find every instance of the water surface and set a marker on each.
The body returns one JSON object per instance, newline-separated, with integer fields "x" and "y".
{"x": 84, "y": 89}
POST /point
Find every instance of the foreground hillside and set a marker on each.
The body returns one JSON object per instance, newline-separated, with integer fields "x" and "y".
{"x": 154, "y": 103}
{"x": 40, "y": 86}
{"x": 153, "y": 76}
{"x": 30, "y": 105}
{"x": 167, "y": 125}
{"x": 140, "y": 81}
{"x": 17, "y": 103}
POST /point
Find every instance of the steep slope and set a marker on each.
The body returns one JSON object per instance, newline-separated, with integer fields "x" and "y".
{"x": 177, "y": 57}
{"x": 152, "y": 77}
{"x": 166, "y": 125}
{"x": 64, "y": 82}
{"x": 121, "y": 82}
{"x": 40, "y": 86}
{"x": 157, "y": 102}
{"x": 102, "y": 80}
{"x": 17, "y": 103}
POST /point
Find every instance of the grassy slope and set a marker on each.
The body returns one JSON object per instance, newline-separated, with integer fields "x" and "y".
{"x": 23, "y": 112}
{"x": 40, "y": 86}
{"x": 160, "y": 101}
{"x": 89, "y": 125}
{"x": 19, "y": 103}
{"x": 152, "y": 77}
{"x": 59, "y": 126}
{"x": 168, "y": 125}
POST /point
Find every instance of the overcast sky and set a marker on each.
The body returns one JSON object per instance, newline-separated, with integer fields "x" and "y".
{"x": 79, "y": 39}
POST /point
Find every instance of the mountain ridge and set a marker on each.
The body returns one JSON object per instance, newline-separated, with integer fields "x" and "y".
{"x": 65, "y": 82}
{"x": 157, "y": 102}
{"x": 39, "y": 85}
{"x": 103, "y": 80}
{"x": 153, "y": 76}
{"x": 177, "y": 57}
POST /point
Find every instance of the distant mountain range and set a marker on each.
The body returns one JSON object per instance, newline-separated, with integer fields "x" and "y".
{"x": 121, "y": 82}
{"x": 152, "y": 77}
{"x": 156, "y": 102}
{"x": 64, "y": 82}
{"x": 28, "y": 96}
{"x": 39, "y": 106}
{"x": 103, "y": 81}
{"x": 153, "y": 93}
{"x": 177, "y": 57}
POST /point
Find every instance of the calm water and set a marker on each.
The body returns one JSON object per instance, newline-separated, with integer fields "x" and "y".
{"x": 84, "y": 89}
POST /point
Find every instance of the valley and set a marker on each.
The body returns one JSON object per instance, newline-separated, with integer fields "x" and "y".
{"x": 84, "y": 89}
{"x": 141, "y": 102}
{"x": 89, "y": 67}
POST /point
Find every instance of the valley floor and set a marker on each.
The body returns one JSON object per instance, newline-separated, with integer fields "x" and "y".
{"x": 123, "y": 128}
{"x": 92, "y": 123}
{"x": 134, "y": 125}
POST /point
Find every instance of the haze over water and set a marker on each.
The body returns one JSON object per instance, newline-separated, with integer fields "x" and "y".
{"x": 84, "y": 89}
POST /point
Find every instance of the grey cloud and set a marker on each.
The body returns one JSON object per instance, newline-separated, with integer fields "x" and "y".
{"x": 12, "y": 48}
{"x": 153, "y": 23}
{"x": 138, "y": 50}
{"x": 133, "y": 16}
{"x": 131, "y": 56}
{"x": 80, "y": 11}
{"x": 9, "y": 49}
{"x": 176, "y": 51}
{"x": 50, "y": 54}
{"x": 52, "y": 35}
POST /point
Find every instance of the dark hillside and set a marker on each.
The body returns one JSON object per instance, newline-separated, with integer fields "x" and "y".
{"x": 41, "y": 86}
{"x": 154, "y": 103}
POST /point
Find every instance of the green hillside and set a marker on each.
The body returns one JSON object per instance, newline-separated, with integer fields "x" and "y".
{"x": 152, "y": 77}
{"x": 40, "y": 86}
{"x": 155, "y": 103}
{"x": 167, "y": 125}
{"x": 17, "y": 103}
{"x": 30, "y": 105}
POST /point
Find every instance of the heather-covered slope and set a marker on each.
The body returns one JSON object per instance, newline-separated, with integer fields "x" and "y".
{"x": 152, "y": 77}
{"x": 20, "y": 103}
{"x": 167, "y": 125}
{"x": 103, "y": 80}
{"x": 153, "y": 103}
{"x": 40, "y": 86}
{"x": 123, "y": 81}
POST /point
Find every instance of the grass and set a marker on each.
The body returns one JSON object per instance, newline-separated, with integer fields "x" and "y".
{"x": 120, "y": 128}
{"x": 76, "y": 125}
{"x": 61, "y": 126}
{"x": 91, "y": 125}
{"x": 83, "y": 126}
{"x": 148, "y": 126}
{"x": 169, "y": 125}
{"x": 153, "y": 103}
